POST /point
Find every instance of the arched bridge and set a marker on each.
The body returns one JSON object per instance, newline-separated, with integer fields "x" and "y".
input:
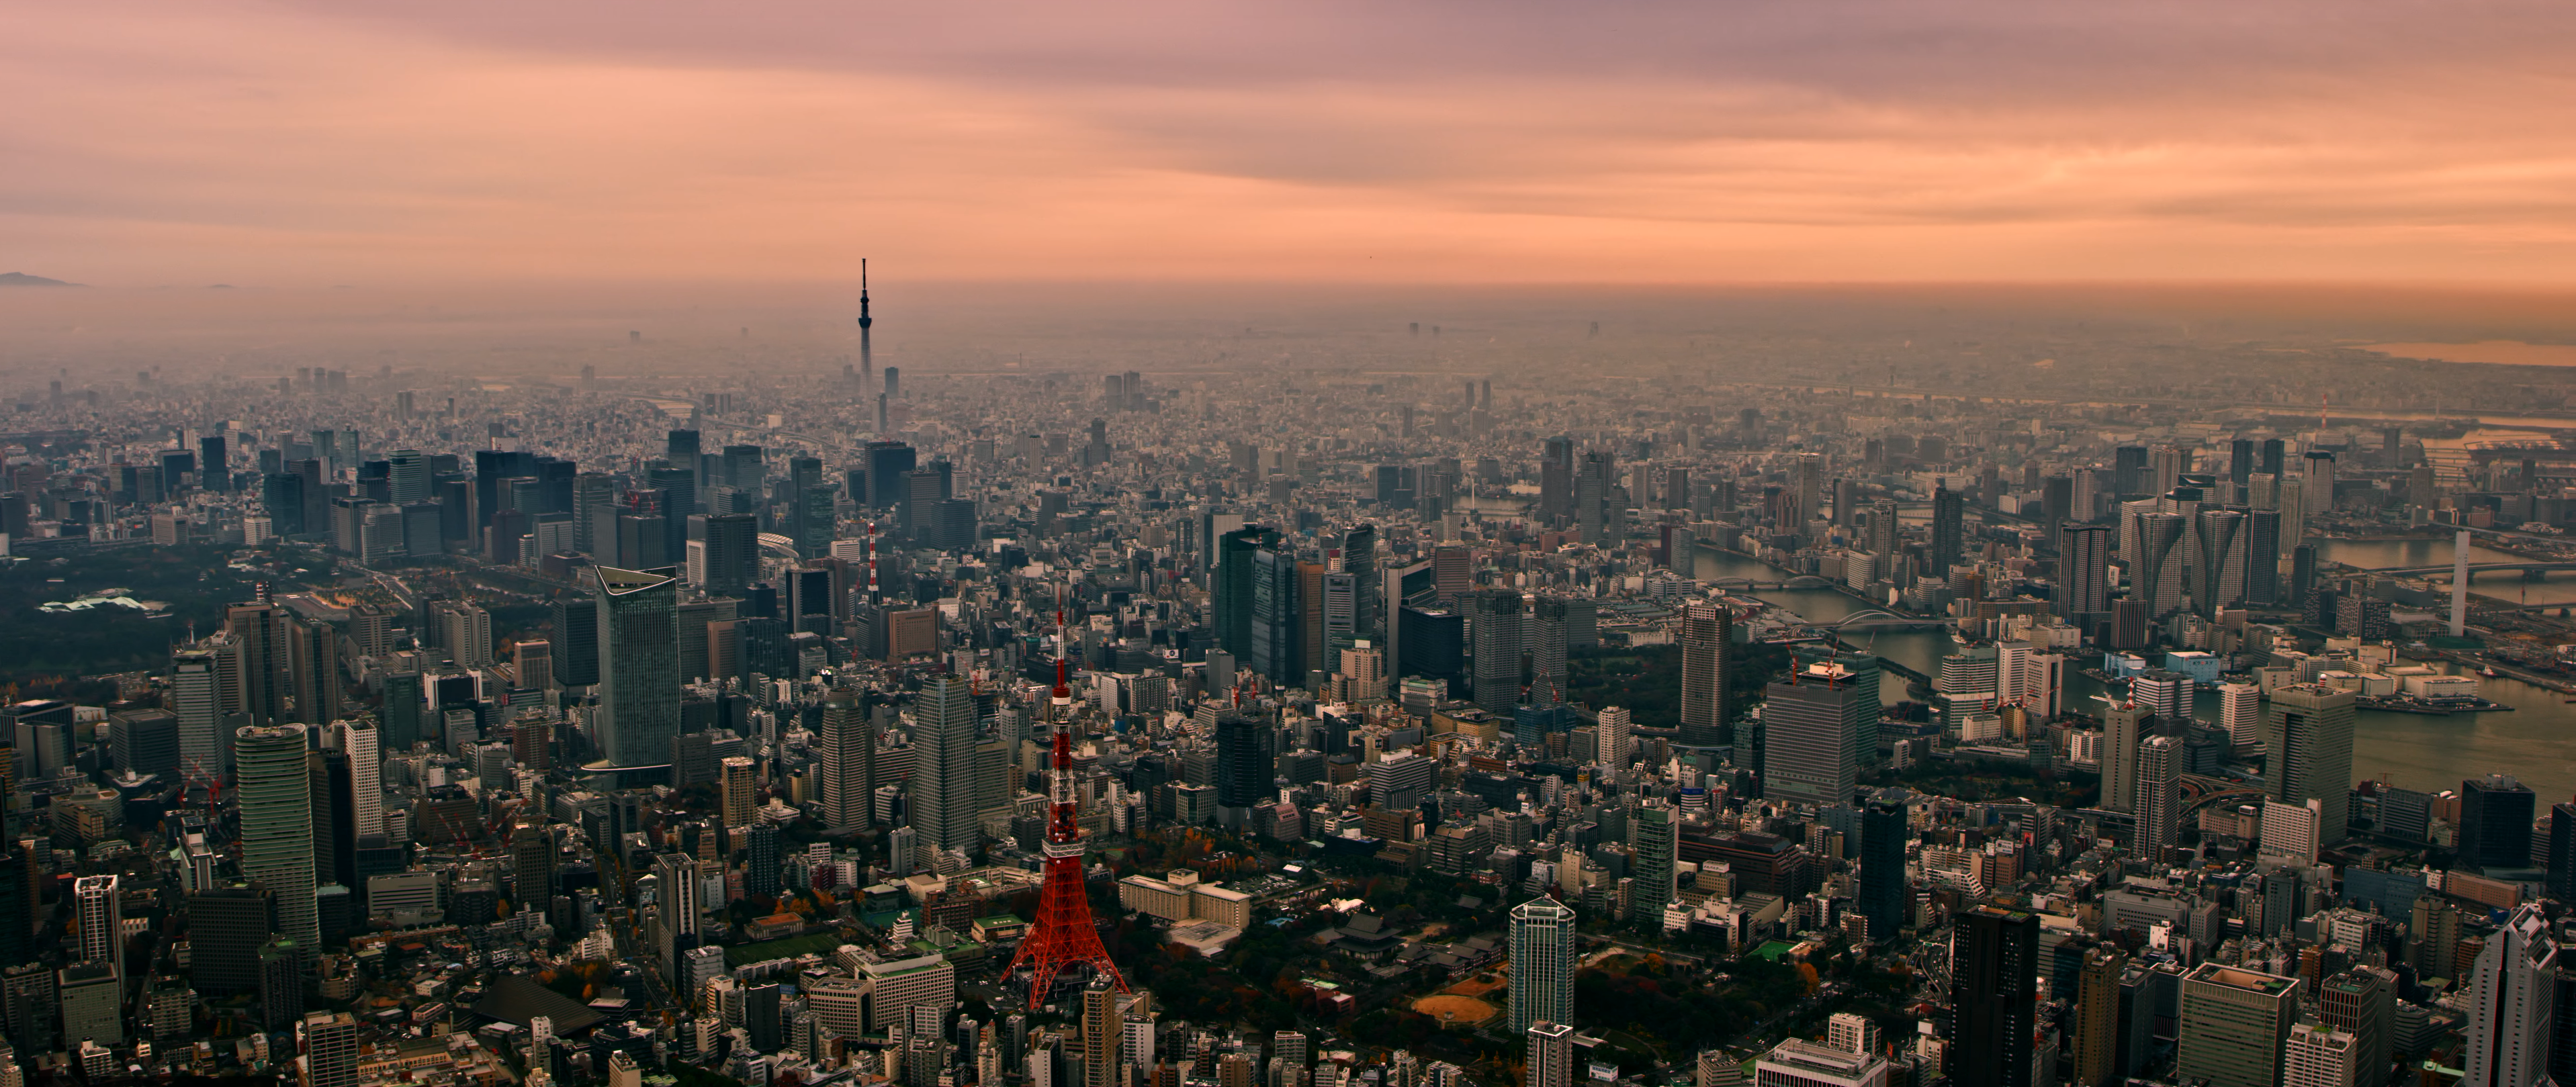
{"x": 2475, "y": 568}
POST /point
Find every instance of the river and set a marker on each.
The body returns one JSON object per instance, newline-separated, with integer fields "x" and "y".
{"x": 2536, "y": 742}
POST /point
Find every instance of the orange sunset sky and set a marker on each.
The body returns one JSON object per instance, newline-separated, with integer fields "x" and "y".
{"x": 301, "y": 145}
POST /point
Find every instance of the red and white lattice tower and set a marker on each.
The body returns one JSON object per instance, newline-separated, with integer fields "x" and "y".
{"x": 1063, "y": 935}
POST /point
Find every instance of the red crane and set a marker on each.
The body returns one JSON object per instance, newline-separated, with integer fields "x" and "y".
{"x": 1063, "y": 935}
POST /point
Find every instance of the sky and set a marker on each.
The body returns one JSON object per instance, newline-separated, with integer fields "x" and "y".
{"x": 358, "y": 142}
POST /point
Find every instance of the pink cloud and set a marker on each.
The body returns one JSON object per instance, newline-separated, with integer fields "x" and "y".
{"x": 1646, "y": 143}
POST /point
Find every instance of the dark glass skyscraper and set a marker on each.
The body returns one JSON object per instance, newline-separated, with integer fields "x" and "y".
{"x": 887, "y": 463}
{"x": 1882, "y": 864}
{"x": 1243, "y": 776}
{"x": 1276, "y": 650}
{"x": 1949, "y": 510}
{"x": 639, "y": 665}
{"x": 576, "y": 642}
{"x": 1994, "y": 997}
{"x": 733, "y": 553}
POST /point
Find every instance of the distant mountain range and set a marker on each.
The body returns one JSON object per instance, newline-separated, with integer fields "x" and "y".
{"x": 22, "y": 279}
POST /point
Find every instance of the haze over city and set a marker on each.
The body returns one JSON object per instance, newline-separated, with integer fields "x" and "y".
{"x": 1205, "y": 545}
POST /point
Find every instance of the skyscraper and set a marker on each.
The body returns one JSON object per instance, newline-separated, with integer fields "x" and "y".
{"x": 2495, "y": 822}
{"x": 2262, "y": 557}
{"x": 2362, "y": 1002}
{"x": 733, "y": 553}
{"x": 276, "y": 791}
{"x": 1707, "y": 637}
{"x": 2316, "y": 488}
{"x": 2220, "y": 550}
{"x": 845, "y": 759}
{"x": 1883, "y": 833}
{"x": 1811, "y": 728}
{"x": 1542, "y": 963}
{"x": 2157, "y": 570}
{"x": 2124, "y": 726}
{"x": 2308, "y": 736}
{"x": 639, "y": 665}
{"x": 1611, "y": 727}
{"x": 1359, "y": 560}
{"x": 358, "y": 739}
{"x": 2562, "y": 854}
{"x": 98, "y": 911}
{"x": 1497, "y": 627}
{"x": 1546, "y": 632}
{"x": 196, "y": 695}
{"x": 1949, "y": 510}
{"x": 1994, "y": 997}
{"x": 944, "y": 809}
{"x": 403, "y": 705}
{"x": 2159, "y": 803}
{"x": 2235, "y": 1025}
{"x": 2097, "y": 1019}
{"x": 735, "y": 789}
{"x": 2512, "y": 992}
{"x": 2083, "y": 574}
{"x": 1275, "y": 649}
{"x": 1551, "y": 1054}
{"x": 1657, "y": 831}
{"x": 1243, "y": 760}
{"x": 1556, "y": 480}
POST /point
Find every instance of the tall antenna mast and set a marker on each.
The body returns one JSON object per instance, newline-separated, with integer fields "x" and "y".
{"x": 867, "y": 365}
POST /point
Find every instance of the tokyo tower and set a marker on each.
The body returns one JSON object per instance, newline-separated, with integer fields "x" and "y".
{"x": 1063, "y": 935}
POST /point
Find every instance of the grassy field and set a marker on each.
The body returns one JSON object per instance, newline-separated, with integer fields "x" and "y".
{"x": 791, "y": 947}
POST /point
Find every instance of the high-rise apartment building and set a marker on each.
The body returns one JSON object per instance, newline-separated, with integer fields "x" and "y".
{"x": 357, "y": 738}
{"x": 735, "y": 789}
{"x": 1542, "y": 939}
{"x": 1551, "y": 1054}
{"x": 97, "y": 911}
{"x": 2159, "y": 803}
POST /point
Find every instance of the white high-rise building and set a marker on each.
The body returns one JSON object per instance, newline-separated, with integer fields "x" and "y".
{"x": 2319, "y": 1057}
{"x": 357, "y": 740}
{"x": 2240, "y": 712}
{"x": 1551, "y": 1055}
{"x": 101, "y": 938}
{"x": 1612, "y": 730}
{"x": 2289, "y": 832}
{"x": 1797, "y": 1063}
{"x": 2511, "y": 991}
{"x": 1852, "y": 1033}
